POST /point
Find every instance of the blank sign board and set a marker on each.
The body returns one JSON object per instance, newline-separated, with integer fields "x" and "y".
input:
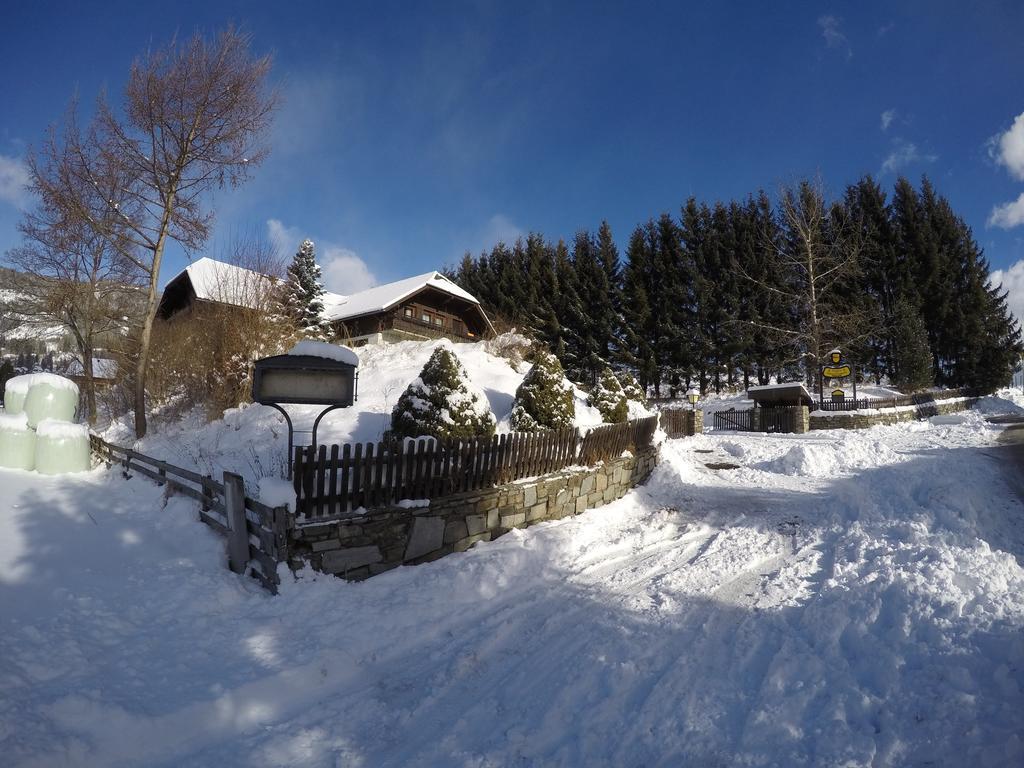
{"x": 303, "y": 379}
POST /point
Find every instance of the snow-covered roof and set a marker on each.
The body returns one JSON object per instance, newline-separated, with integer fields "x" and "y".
{"x": 767, "y": 393}
{"x": 219, "y": 281}
{"x": 385, "y": 296}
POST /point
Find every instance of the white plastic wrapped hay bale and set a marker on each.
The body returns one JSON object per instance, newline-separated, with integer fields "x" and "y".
{"x": 50, "y": 397}
{"x": 15, "y": 392}
{"x": 61, "y": 447}
{"x": 17, "y": 442}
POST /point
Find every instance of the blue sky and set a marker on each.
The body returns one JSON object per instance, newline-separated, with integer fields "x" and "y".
{"x": 412, "y": 132}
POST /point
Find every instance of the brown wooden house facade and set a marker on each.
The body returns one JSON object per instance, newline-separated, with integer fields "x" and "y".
{"x": 424, "y": 307}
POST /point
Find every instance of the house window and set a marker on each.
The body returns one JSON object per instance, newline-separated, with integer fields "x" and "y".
{"x": 408, "y": 311}
{"x": 437, "y": 321}
{"x": 425, "y": 317}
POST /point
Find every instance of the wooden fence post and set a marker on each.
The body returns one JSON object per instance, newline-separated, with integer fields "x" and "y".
{"x": 238, "y": 534}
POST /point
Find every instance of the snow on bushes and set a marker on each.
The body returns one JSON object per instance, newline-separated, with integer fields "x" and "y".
{"x": 512, "y": 346}
{"x": 607, "y": 396}
{"x": 545, "y": 398}
{"x": 631, "y": 388}
{"x": 442, "y": 402}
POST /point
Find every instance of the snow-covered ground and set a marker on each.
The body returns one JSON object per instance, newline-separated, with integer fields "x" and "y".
{"x": 252, "y": 440}
{"x": 839, "y": 599}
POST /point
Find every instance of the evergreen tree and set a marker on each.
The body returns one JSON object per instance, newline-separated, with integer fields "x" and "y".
{"x": 631, "y": 388}
{"x": 609, "y": 398}
{"x": 442, "y": 402}
{"x": 912, "y": 363}
{"x": 570, "y": 346}
{"x": 636, "y": 307}
{"x": 597, "y": 320}
{"x": 304, "y": 294}
{"x": 545, "y": 399}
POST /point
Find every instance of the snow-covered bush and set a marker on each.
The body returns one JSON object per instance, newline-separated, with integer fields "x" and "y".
{"x": 512, "y": 346}
{"x": 607, "y": 396}
{"x": 442, "y": 402}
{"x": 631, "y": 387}
{"x": 545, "y": 398}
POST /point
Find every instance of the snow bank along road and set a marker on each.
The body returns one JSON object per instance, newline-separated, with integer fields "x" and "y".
{"x": 840, "y": 599}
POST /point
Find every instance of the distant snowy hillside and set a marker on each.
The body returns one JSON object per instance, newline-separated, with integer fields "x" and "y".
{"x": 251, "y": 439}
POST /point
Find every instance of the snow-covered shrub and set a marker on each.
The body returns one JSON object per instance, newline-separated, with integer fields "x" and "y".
{"x": 514, "y": 347}
{"x": 545, "y": 398}
{"x": 607, "y": 396}
{"x": 442, "y": 402}
{"x": 631, "y": 387}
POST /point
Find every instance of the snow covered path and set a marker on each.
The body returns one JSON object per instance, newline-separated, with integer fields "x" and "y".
{"x": 846, "y": 598}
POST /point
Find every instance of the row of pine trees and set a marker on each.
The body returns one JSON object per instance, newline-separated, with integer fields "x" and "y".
{"x": 743, "y": 292}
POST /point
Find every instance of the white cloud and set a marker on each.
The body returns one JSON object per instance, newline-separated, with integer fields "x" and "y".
{"x": 833, "y": 34}
{"x": 887, "y": 118}
{"x": 1008, "y": 215}
{"x": 501, "y": 229}
{"x": 1008, "y": 148}
{"x": 342, "y": 270}
{"x": 14, "y": 179}
{"x": 1012, "y": 280}
{"x": 904, "y": 153}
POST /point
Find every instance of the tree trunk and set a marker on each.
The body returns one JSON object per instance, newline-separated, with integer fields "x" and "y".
{"x": 90, "y": 385}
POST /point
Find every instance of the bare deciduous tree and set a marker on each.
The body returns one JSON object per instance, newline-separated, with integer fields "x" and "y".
{"x": 194, "y": 119}
{"x": 73, "y": 273}
{"x": 810, "y": 263}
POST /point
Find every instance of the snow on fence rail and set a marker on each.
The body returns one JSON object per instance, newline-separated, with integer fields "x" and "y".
{"x": 257, "y": 534}
{"x": 337, "y": 481}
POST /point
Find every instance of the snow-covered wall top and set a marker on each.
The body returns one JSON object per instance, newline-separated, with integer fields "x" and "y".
{"x": 327, "y": 351}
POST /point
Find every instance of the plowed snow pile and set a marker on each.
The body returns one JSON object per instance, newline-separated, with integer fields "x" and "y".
{"x": 839, "y": 599}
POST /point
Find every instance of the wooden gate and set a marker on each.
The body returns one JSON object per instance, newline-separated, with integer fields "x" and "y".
{"x": 738, "y": 421}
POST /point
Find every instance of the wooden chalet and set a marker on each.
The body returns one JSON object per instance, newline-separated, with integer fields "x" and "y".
{"x": 427, "y": 306}
{"x": 207, "y": 282}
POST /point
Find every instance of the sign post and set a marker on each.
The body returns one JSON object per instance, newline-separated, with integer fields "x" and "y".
{"x": 834, "y": 371}
{"x": 305, "y": 380}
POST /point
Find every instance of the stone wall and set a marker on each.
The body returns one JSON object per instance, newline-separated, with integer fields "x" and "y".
{"x": 861, "y": 420}
{"x": 381, "y": 539}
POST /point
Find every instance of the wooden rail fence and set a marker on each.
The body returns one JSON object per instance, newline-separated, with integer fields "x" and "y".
{"x": 257, "y": 534}
{"x": 337, "y": 481}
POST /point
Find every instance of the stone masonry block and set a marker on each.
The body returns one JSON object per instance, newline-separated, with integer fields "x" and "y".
{"x": 514, "y": 520}
{"x": 454, "y": 531}
{"x": 476, "y": 524}
{"x": 463, "y": 544}
{"x": 537, "y": 512}
{"x": 345, "y": 560}
{"x": 529, "y": 496}
{"x": 326, "y": 545}
{"x": 427, "y": 535}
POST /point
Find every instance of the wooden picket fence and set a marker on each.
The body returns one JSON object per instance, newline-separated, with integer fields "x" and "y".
{"x": 257, "y": 534}
{"x": 338, "y": 480}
